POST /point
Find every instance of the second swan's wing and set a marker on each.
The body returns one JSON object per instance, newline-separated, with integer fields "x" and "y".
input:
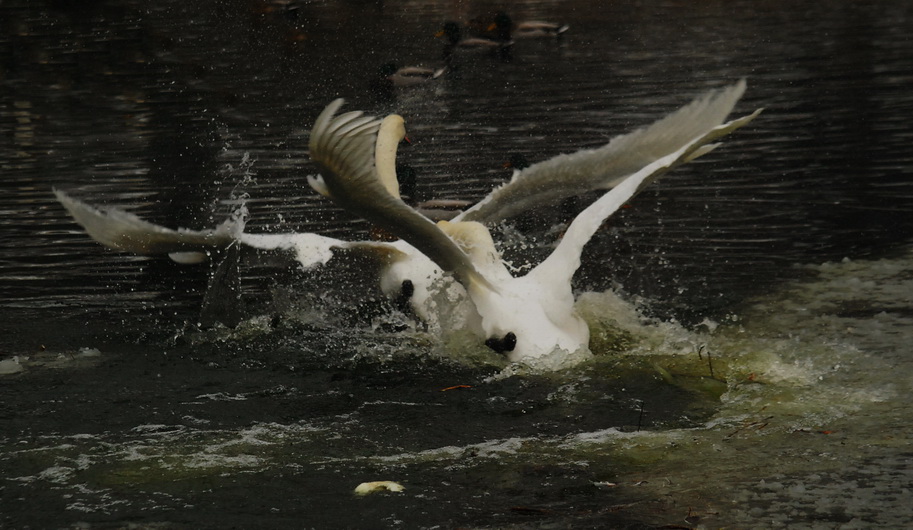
{"x": 561, "y": 264}
{"x": 344, "y": 146}
{"x": 568, "y": 175}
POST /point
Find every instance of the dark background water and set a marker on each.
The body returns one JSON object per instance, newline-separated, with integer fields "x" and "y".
{"x": 171, "y": 108}
{"x": 157, "y": 106}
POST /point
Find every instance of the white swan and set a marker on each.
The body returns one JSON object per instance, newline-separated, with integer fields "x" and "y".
{"x": 530, "y": 317}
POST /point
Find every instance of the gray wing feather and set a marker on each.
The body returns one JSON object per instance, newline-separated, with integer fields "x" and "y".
{"x": 122, "y": 230}
{"x": 345, "y": 153}
{"x": 568, "y": 175}
{"x": 565, "y": 259}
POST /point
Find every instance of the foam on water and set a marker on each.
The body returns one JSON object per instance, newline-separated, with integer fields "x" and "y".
{"x": 816, "y": 375}
{"x": 808, "y": 380}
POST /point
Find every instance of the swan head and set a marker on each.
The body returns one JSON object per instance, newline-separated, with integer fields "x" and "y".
{"x": 530, "y": 323}
{"x": 504, "y": 344}
{"x": 524, "y": 318}
{"x": 393, "y": 126}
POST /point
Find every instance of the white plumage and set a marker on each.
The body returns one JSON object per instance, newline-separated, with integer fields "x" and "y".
{"x": 531, "y": 318}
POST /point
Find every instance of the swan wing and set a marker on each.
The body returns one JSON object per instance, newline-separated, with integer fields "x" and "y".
{"x": 120, "y": 230}
{"x": 314, "y": 249}
{"x": 605, "y": 167}
{"x": 560, "y": 266}
{"x": 346, "y": 156}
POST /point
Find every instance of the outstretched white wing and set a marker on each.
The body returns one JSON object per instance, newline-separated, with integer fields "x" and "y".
{"x": 120, "y": 230}
{"x": 560, "y": 266}
{"x": 344, "y": 148}
{"x": 605, "y": 167}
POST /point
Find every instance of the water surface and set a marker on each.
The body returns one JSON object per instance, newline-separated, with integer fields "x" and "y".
{"x": 753, "y": 366}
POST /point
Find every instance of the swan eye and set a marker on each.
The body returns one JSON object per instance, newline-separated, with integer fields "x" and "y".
{"x": 504, "y": 344}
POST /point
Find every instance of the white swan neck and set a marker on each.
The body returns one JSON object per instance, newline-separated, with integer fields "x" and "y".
{"x": 392, "y": 131}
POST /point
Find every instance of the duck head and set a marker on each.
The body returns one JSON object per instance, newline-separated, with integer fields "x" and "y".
{"x": 502, "y": 26}
{"x": 451, "y": 31}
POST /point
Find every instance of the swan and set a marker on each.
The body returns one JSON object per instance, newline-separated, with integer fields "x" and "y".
{"x": 530, "y": 317}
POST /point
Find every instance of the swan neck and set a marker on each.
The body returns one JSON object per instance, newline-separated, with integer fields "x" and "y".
{"x": 392, "y": 131}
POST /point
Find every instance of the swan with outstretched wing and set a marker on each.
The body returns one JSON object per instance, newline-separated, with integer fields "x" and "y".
{"x": 532, "y": 316}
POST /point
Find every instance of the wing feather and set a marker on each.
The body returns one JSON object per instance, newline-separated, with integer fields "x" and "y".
{"x": 346, "y": 157}
{"x": 120, "y": 230}
{"x": 568, "y": 175}
{"x": 560, "y": 266}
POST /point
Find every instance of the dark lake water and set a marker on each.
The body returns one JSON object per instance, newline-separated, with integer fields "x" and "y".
{"x": 763, "y": 291}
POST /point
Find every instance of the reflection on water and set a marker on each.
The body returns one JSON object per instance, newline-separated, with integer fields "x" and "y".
{"x": 173, "y": 108}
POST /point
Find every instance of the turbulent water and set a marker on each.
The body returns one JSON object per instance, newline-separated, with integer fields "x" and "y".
{"x": 750, "y": 313}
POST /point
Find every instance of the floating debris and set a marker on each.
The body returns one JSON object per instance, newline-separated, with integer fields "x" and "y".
{"x": 11, "y": 366}
{"x": 366, "y": 488}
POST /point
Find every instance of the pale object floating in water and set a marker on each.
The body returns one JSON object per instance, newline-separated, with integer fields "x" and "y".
{"x": 366, "y": 488}
{"x": 11, "y": 366}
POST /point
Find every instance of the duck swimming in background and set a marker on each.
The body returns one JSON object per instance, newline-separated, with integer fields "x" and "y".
{"x": 455, "y": 43}
{"x": 530, "y": 318}
{"x": 390, "y": 76}
{"x": 504, "y": 28}
{"x": 407, "y": 76}
{"x": 434, "y": 209}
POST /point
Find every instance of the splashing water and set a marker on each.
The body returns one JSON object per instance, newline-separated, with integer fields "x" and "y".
{"x": 785, "y": 406}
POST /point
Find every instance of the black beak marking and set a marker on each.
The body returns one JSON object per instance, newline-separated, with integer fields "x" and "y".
{"x": 505, "y": 344}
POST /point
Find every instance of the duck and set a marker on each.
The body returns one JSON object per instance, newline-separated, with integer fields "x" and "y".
{"x": 452, "y": 267}
{"x": 408, "y": 76}
{"x": 529, "y": 318}
{"x": 504, "y": 28}
{"x": 391, "y": 77}
{"x": 456, "y": 43}
{"x": 434, "y": 209}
